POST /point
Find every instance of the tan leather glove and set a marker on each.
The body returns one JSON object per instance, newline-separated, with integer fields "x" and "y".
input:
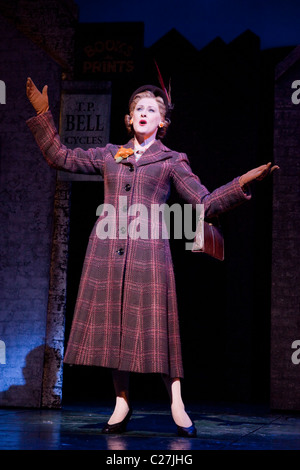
{"x": 38, "y": 100}
{"x": 258, "y": 174}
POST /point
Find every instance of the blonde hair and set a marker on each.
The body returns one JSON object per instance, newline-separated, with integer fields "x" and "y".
{"x": 161, "y": 132}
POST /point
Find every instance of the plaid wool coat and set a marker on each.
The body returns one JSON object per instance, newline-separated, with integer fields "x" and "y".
{"x": 126, "y": 312}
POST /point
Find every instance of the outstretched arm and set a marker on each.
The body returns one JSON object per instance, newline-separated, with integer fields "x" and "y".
{"x": 220, "y": 200}
{"x": 45, "y": 133}
{"x": 190, "y": 188}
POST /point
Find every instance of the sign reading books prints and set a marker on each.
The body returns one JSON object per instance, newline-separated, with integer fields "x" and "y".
{"x": 84, "y": 120}
{"x": 109, "y": 51}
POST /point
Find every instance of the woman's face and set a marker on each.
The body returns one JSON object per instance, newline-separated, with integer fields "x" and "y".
{"x": 146, "y": 118}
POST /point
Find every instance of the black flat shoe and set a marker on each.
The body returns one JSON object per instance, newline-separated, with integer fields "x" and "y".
{"x": 117, "y": 428}
{"x": 191, "y": 431}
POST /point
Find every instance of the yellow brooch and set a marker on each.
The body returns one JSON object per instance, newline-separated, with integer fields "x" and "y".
{"x": 123, "y": 153}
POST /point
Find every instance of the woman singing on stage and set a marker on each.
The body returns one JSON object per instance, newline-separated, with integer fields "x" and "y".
{"x": 126, "y": 315}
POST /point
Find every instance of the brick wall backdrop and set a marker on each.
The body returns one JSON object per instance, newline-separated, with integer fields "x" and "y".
{"x": 27, "y": 217}
{"x": 285, "y": 327}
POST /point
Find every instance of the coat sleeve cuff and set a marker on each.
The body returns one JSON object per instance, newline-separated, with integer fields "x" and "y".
{"x": 243, "y": 193}
{"x": 41, "y": 122}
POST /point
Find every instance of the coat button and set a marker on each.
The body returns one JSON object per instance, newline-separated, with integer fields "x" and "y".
{"x": 120, "y": 251}
{"x": 127, "y": 187}
{"x": 131, "y": 168}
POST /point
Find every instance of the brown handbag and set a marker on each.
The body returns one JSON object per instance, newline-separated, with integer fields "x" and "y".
{"x": 209, "y": 239}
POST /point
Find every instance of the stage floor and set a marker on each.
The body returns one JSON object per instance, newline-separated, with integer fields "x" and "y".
{"x": 77, "y": 426}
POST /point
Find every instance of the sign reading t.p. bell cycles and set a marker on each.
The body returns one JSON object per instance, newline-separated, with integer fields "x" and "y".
{"x": 84, "y": 119}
